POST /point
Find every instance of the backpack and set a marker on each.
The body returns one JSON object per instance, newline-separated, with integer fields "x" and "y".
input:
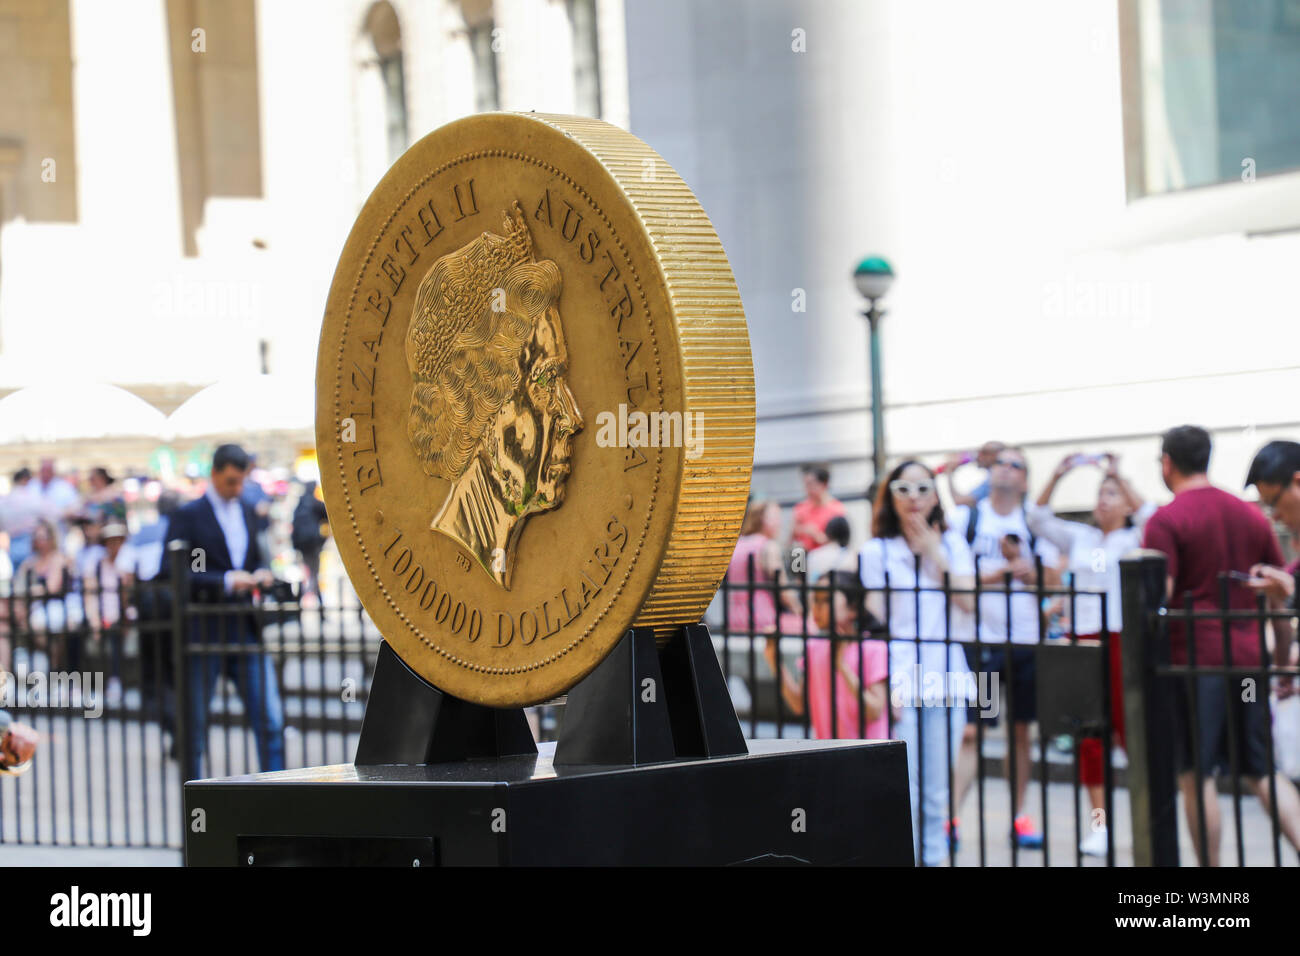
{"x": 305, "y": 529}
{"x": 972, "y": 527}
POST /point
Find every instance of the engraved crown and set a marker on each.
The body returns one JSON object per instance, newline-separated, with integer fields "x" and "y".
{"x": 446, "y": 311}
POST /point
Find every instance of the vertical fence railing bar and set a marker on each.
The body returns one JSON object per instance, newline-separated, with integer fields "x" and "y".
{"x": 321, "y": 697}
{"x": 178, "y": 571}
{"x": 1013, "y": 758}
{"x": 1148, "y": 712}
{"x": 1190, "y": 638}
{"x": 979, "y": 724}
{"x": 807, "y": 660}
{"x": 947, "y": 719}
{"x": 1261, "y": 608}
{"x": 1234, "y": 759}
{"x": 753, "y": 665}
{"x": 1108, "y": 733}
{"x": 917, "y": 704}
{"x": 1039, "y": 590}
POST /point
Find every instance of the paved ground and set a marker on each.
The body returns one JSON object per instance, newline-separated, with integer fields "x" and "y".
{"x": 86, "y": 856}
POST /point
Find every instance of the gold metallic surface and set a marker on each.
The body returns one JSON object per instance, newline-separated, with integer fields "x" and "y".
{"x": 535, "y": 403}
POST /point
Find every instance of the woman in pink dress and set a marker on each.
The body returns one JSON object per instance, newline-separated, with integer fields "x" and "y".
{"x": 758, "y": 544}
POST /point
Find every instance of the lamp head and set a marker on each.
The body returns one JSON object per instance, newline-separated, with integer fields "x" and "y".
{"x": 873, "y": 277}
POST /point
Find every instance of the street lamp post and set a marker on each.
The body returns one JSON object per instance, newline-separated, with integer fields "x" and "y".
{"x": 873, "y": 277}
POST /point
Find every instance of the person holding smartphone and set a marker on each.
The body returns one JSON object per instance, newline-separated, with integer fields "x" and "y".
{"x": 1004, "y": 548}
{"x": 1092, "y": 553}
{"x": 1275, "y": 473}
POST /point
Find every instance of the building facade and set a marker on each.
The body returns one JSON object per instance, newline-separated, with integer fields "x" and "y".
{"x": 177, "y": 177}
{"x": 1092, "y": 210}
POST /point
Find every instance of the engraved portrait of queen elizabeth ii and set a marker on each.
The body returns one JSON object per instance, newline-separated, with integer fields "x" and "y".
{"x": 491, "y": 410}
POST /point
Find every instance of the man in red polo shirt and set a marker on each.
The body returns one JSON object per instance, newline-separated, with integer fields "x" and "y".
{"x": 1206, "y": 532}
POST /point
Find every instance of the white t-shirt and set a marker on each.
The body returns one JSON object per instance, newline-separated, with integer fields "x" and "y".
{"x": 1094, "y": 561}
{"x": 986, "y": 550}
{"x": 829, "y": 557}
{"x": 892, "y": 557}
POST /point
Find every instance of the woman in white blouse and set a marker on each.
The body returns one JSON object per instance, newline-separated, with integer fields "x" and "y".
{"x": 911, "y": 553}
{"x": 1094, "y": 551}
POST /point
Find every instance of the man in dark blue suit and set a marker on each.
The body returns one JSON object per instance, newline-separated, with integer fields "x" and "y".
{"x": 226, "y": 567}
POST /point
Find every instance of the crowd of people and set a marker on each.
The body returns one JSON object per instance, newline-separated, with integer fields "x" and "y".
{"x": 912, "y": 651}
{"x": 76, "y": 557}
{"x": 907, "y": 626}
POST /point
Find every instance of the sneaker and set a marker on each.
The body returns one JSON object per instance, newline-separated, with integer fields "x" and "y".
{"x": 1094, "y": 844}
{"x": 1027, "y": 838}
{"x": 953, "y": 831}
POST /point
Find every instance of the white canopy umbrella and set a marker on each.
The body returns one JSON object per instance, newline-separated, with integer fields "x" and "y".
{"x": 246, "y": 405}
{"x": 76, "y": 410}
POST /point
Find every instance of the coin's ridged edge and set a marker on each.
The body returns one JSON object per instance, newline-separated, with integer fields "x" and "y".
{"x": 718, "y": 378}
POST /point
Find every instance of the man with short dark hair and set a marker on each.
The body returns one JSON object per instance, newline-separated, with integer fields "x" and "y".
{"x": 1204, "y": 533}
{"x": 1275, "y": 473}
{"x": 227, "y": 567}
{"x": 819, "y": 507}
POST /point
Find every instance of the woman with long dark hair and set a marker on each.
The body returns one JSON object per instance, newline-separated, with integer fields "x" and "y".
{"x": 915, "y": 555}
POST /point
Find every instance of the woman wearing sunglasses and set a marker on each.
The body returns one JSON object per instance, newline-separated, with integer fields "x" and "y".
{"x": 914, "y": 552}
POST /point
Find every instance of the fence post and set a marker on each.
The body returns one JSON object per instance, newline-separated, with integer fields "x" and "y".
{"x": 177, "y": 558}
{"x": 1148, "y": 713}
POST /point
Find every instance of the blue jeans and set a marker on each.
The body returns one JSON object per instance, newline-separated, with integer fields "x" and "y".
{"x": 254, "y": 676}
{"x": 929, "y": 838}
{"x": 20, "y": 548}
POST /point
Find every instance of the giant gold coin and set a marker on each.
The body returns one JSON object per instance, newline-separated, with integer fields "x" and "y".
{"x": 535, "y": 403}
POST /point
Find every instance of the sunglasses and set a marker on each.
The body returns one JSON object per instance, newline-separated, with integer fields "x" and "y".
{"x": 1011, "y": 463}
{"x": 906, "y": 489}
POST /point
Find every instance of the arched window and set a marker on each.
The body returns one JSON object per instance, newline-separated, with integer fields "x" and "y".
{"x": 385, "y": 34}
{"x": 483, "y": 47}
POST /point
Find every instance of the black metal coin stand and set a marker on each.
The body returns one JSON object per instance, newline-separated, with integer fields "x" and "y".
{"x": 640, "y": 705}
{"x": 650, "y": 767}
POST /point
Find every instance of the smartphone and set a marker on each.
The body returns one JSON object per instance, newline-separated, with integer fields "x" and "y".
{"x": 1241, "y": 577}
{"x": 1088, "y": 460}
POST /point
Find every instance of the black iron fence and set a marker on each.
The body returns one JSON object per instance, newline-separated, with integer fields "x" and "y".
{"x": 133, "y": 687}
{"x": 1204, "y": 720}
{"x": 136, "y": 686}
{"x": 946, "y": 688}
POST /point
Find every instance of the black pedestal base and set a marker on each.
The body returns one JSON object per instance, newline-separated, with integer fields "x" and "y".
{"x": 784, "y": 802}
